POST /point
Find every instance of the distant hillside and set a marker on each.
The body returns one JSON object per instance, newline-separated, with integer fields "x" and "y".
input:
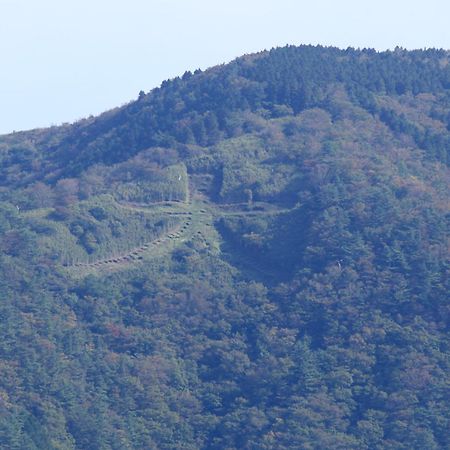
{"x": 251, "y": 257}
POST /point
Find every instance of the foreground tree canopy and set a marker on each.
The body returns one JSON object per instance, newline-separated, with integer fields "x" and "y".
{"x": 250, "y": 257}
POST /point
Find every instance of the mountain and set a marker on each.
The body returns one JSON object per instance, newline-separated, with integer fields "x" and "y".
{"x": 250, "y": 257}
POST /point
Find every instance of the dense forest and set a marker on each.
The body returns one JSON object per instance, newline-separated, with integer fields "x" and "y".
{"x": 255, "y": 256}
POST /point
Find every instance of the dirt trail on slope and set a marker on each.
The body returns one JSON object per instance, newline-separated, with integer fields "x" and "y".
{"x": 136, "y": 253}
{"x": 215, "y": 209}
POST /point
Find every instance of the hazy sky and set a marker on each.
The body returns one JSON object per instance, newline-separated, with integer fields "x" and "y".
{"x": 66, "y": 59}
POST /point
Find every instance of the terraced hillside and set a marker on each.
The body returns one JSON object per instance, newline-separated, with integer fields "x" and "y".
{"x": 184, "y": 221}
{"x": 188, "y": 222}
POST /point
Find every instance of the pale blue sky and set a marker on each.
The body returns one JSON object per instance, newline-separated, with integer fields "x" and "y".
{"x": 65, "y": 59}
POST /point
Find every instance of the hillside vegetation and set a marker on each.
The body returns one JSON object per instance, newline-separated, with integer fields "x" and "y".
{"x": 251, "y": 257}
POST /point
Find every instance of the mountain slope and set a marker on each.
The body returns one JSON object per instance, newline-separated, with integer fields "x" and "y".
{"x": 254, "y": 256}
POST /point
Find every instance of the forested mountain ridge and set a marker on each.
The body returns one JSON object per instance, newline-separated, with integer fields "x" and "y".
{"x": 200, "y": 109}
{"x": 254, "y": 256}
